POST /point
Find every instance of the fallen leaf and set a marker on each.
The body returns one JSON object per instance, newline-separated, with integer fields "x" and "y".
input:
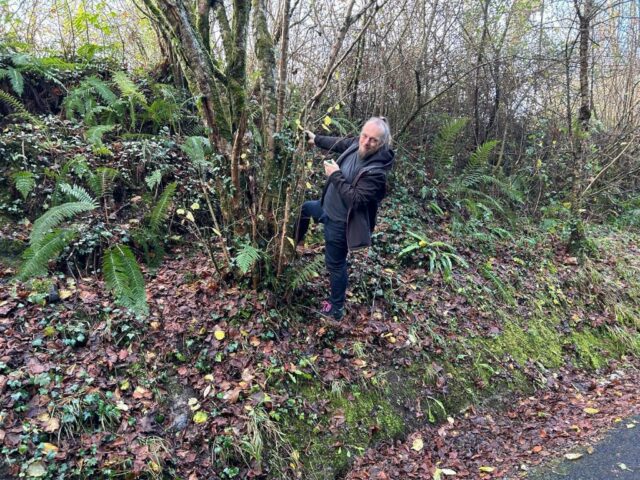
{"x": 141, "y": 392}
{"x": 52, "y": 425}
{"x": 200, "y": 417}
{"x": 591, "y": 411}
{"x": 418, "y": 444}
{"x": 537, "y": 449}
{"x": 49, "y": 447}
{"x": 36, "y": 470}
{"x": 219, "y": 334}
{"x": 572, "y": 456}
{"x": 64, "y": 294}
{"x": 487, "y": 469}
{"x": 194, "y": 404}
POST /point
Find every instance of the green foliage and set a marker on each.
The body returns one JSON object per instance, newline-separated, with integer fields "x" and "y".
{"x": 17, "y": 107}
{"x": 94, "y": 102}
{"x": 54, "y": 216}
{"x": 78, "y": 193}
{"x": 301, "y": 276}
{"x": 130, "y": 94}
{"x": 102, "y": 182}
{"x": 441, "y": 255}
{"x": 479, "y": 190}
{"x": 247, "y": 257}
{"x": 150, "y": 236}
{"x": 154, "y": 179}
{"x": 37, "y": 256}
{"x": 504, "y": 290}
{"x": 445, "y": 142}
{"x": 197, "y": 149}
{"x": 15, "y": 78}
{"x": 94, "y": 134}
{"x": 123, "y": 276}
{"x": 24, "y": 182}
{"x": 161, "y": 209}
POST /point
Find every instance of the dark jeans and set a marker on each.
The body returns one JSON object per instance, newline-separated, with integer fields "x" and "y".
{"x": 335, "y": 250}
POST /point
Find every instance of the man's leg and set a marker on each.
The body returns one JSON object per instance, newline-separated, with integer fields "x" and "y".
{"x": 309, "y": 210}
{"x": 335, "y": 255}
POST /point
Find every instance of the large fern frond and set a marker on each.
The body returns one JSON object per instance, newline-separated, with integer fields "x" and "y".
{"x": 15, "y": 78}
{"x": 159, "y": 212}
{"x": 17, "y": 107}
{"x": 504, "y": 188}
{"x": 101, "y": 88}
{"x": 123, "y": 276}
{"x": 247, "y": 258}
{"x": 443, "y": 146}
{"x": 197, "y": 148}
{"x": 54, "y": 216}
{"x": 94, "y": 134}
{"x": 307, "y": 273}
{"x": 77, "y": 192}
{"x": 481, "y": 156}
{"x": 24, "y": 182}
{"x": 102, "y": 181}
{"x": 128, "y": 88}
{"x": 36, "y": 257}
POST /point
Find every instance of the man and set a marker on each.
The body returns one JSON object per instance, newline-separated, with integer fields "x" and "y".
{"x": 355, "y": 185}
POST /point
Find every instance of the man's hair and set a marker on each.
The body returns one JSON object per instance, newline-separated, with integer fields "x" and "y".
{"x": 386, "y": 131}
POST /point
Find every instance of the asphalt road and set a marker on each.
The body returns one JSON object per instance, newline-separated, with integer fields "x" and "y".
{"x": 616, "y": 456}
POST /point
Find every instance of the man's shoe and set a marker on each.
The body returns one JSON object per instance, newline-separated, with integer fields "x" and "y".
{"x": 328, "y": 310}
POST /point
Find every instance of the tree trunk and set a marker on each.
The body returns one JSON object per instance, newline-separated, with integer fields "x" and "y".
{"x": 577, "y": 238}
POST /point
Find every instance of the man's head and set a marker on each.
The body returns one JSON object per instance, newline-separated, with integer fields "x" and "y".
{"x": 375, "y": 134}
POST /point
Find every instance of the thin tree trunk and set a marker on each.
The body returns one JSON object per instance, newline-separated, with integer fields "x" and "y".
{"x": 282, "y": 70}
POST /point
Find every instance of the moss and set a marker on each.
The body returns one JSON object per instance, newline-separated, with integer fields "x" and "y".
{"x": 357, "y": 417}
{"x": 588, "y": 348}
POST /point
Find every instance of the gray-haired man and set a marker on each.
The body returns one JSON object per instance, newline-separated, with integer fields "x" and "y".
{"x": 356, "y": 183}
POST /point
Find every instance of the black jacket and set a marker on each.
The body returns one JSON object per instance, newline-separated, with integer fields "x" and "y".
{"x": 365, "y": 193}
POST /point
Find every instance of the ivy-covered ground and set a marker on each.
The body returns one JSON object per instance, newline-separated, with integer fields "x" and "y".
{"x": 518, "y": 353}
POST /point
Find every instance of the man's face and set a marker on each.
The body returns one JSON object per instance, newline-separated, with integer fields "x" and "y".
{"x": 370, "y": 140}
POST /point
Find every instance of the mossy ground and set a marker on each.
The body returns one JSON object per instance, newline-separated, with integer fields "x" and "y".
{"x": 357, "y": 416}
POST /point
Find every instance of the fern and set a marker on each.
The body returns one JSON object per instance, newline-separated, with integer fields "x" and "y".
{"x": 197, "y": 149}
{"x": 131, "y": 93}
{"x": 54, "y": 216}
{"x": 17, "y": 107}
{"x": 24, "y": 182}
{"x": 481, "y": 156}
{"x": 78, "y": 193}
{"x": 101, "y": 88}
{"x": 36, "y": 257}
{"x": 123, "y": 276}
{"x": 443, "y": 147}
{"x": 247, "y": 258}
{"x": 128, "y": 88}
{"x": 102, "y": 181}
{"x": 154, "y": 179}
{"x": 87, "y": 99}
{"x": 159, "y": 212}
{"x": 308, "y": 272}
{"x": 94, "y": 134}
{"x": 15, "y": 78}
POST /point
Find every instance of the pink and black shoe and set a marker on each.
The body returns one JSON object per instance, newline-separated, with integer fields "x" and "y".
{"x": 328, "y": 310}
